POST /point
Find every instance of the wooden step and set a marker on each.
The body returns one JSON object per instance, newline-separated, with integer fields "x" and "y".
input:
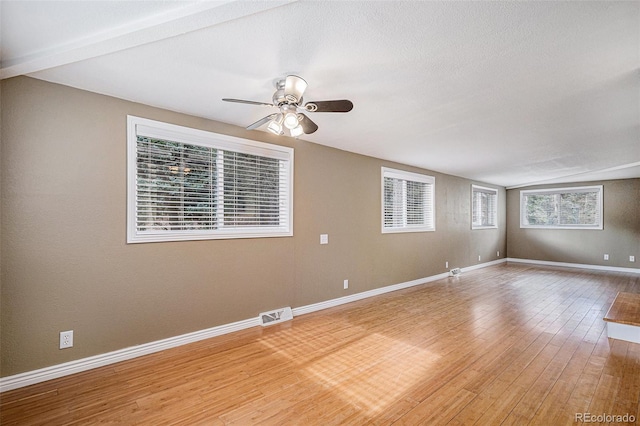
{"x": 623, "y": 318}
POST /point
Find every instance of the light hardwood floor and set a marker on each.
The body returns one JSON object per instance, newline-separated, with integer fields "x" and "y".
{"x": 508, "y": 344}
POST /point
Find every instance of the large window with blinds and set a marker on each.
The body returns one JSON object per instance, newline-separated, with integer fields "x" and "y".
{"x": 407, "y": 201}
{"x": 484, "y": 207}
{"x": 188, "y": 184}
{"x": 562, "y": 208}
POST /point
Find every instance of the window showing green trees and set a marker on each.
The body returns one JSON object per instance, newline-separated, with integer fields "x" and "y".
{"x": 189, "y": 187}
{"x": 579, "y": 207}
{"x": 215, "y": 187}
{"x": 175, "y": 186}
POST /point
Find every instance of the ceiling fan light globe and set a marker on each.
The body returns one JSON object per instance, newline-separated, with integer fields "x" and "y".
{"x": 294, "y": 88}
{"x": 274, "y": 128}
{"x": 296, "y": 131}
{"x": 290, "y": 120}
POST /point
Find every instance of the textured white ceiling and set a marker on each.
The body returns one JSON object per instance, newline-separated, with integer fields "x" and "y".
{"x": 508, "y": 93}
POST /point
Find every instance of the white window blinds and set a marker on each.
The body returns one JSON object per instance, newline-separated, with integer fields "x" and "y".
{"x": 565, "y": 208}
{"x": 188, "y": 184}
{"x": 484, "y": 207}
{"x": 408, "y": 201}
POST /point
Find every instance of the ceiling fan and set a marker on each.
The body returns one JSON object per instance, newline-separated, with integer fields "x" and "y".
{"x": 288, "y": 99}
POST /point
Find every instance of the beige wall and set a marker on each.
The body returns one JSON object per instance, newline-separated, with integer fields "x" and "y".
{"x": 620, "y": 236}
{"x": 65, "y": 263}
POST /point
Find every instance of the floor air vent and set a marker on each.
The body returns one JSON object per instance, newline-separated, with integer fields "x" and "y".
{"x": 456, "y": 272}
{"x": 276, "y": 316}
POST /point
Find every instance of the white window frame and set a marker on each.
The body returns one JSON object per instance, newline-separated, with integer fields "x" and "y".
{"x": 547, "y": 191}
{"x": 430, "y": 208}
{"x": 486, "y": 190}
{"x": 159, "y": 130}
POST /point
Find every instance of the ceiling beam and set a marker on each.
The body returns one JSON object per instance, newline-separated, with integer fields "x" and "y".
{"x": 172, "y": 23}
{"x": 624, "y": 171}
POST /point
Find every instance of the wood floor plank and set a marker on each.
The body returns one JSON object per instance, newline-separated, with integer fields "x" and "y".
{"x": 508, "y": 344}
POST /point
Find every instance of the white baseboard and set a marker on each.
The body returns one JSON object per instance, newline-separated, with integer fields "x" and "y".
{"x": 575, "y": 265}
{"x": 483, "y": 265}
{"x": 382, "y": 290}
{"x": 365, "y": 294}
{"x": 84, "y": 364}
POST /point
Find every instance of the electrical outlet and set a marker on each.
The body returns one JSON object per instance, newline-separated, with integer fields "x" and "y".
{"x": 632, "y": 258}
{"x": 66, "y": 339}
{"x": 498, "y": 253}
{"x": 606, "y": 257}
{"x": 346, "y": 284}
{"x": 446, "y": 265}
{"x": 324, "y": 238}
{"x": 479, "y": 258}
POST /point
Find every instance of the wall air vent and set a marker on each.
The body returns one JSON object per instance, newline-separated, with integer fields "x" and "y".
{"x": 276, "y": 316}
{"x": 455, "y": 272}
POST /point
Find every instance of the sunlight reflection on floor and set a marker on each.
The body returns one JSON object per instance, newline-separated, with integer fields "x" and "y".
{"x": 370, "y": 371}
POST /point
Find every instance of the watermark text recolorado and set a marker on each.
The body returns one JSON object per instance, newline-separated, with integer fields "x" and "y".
{"x": 605, "y": 418}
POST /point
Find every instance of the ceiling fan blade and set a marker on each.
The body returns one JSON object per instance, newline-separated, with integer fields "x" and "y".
{"x": 307, "y": 125}
{"x": 294, "y": 88}
{"x": 341, "y": 105}
{"x": 261, "y": 121}
{"x": 241, "y": 101}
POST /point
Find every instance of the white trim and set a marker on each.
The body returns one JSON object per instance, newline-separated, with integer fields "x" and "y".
{"x": 382, "y": 290}
{"x": 592, "y": 188}
{"x": 55, "y": 371}
{"x": 626, "y": 332}
{"x": 364, "y": 295}
{"x": 138, "y": 126}
{"x": 575, "y": 265}
{"x": 430, "y": 181}
{"x": 492, "y": 191}
{"x": 404, "y": 175}
{"x": 188, "y": 135}
{"x": 84, "y": 364}
{"x": 483, "y": 265}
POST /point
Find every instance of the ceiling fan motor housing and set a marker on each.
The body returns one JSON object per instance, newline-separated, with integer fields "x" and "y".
{"x": 288, "y": 98}
{"x": 280, "y": 98}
